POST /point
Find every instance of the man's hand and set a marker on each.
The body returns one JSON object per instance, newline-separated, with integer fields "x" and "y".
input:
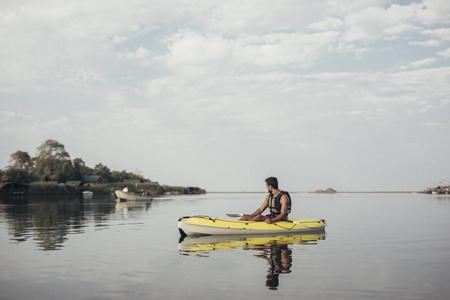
{"x": 268, "y": 221}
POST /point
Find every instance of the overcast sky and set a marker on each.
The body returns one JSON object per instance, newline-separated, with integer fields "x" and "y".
{"x": 353, "y": 95}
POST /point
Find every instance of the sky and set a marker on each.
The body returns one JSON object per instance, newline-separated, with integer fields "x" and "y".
{"x": 353, "y": 95}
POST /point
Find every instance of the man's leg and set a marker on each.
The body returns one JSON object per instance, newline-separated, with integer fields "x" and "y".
{"x": 259, "y": 218}
{"x": 246, "y": 218}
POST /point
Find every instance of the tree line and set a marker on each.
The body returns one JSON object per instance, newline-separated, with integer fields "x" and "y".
{"x": 53, "y": 163}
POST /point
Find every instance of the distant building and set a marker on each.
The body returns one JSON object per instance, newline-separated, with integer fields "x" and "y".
{"x": 13, "y": 188}
{"x": 439, "y": 190}
{"x": 76, "y": 183}
{"x": 92, "y": 180}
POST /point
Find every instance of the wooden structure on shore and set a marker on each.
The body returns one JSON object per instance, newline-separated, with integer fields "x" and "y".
{"x": 13, "y": 188}
{"x": 440, "y": 190}
{"x": 92, "y": 180}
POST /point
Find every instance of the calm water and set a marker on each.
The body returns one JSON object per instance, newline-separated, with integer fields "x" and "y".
{"x": 377, "y": 246}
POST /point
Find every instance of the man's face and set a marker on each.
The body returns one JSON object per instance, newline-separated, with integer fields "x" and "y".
{"x": 269, "y": 188}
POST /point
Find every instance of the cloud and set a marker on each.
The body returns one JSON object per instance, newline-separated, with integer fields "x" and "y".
{"x": 423, "y": 62}
{"x": 417, "y": 64}
{"x": 442, "y": 33}
{"x": 137, "y": 54}
{"x": 445, "y": 54}
{"x": 428, "y": 43}
{"x": 328, "y": 24}
{"x": 432, "y": 12}
{"x": 270, "y": 50}
{"x": 374, "y": 22}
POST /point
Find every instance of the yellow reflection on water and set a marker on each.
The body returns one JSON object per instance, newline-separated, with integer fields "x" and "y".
{"x": 273, "y": 249}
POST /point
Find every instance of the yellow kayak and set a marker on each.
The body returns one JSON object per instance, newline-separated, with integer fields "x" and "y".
{"x": 229, "y": 242}
{"x": 204, "y": 225}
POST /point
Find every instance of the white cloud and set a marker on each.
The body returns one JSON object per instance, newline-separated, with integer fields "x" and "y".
{"x": 400, "y": 29}
{"x": 372, "y": 22}
{"x": 329, "y": 23}
{"x": 445, "y": 54}
{"x": 417, "y": 64}
{"x": 442, "y": 33}
{"x": 428, "y": 43}
{"x": 423, "y": 62}
{"x": 119, "y": 40}
{"x": 137, "y": 54}
{"x": 432, "y": 12}
{"x": 271, "y": 50}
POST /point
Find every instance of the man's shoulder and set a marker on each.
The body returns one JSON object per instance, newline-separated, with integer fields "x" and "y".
{"x": 285, "y": 194}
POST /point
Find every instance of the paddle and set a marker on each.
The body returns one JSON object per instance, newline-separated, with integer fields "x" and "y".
{"x": 240, "y": 215}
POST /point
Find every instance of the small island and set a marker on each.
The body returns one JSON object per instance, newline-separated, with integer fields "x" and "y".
{"x": 327, "y": 191}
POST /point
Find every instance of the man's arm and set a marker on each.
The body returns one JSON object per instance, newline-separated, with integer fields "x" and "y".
{"x": 262, "y": 208}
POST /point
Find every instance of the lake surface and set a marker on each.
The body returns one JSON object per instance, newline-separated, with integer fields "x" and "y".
{"x": 376, "y": 246}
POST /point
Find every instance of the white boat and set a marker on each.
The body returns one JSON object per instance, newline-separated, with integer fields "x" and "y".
{"x": 87, "y": 194}
{"x": 128, "y": 196}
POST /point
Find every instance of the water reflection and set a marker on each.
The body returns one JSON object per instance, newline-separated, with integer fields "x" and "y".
{"x": 279, "y": 259}
{"x": 275, "y": 250}
{"x": 132, "y": 207}
{"x": 48, "y": 221}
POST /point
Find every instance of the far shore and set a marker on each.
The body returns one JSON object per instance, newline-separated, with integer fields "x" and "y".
{"x": 312, "y": 192}
{"x": 371, "y": 192}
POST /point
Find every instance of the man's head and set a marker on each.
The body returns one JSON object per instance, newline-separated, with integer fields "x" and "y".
{"x": 272, "y": 182}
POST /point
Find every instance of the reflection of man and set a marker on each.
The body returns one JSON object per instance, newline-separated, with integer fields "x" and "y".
{"x": 279, "y": 258}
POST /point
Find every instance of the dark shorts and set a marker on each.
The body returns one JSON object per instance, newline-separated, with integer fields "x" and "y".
{"x": 273, "y": 216}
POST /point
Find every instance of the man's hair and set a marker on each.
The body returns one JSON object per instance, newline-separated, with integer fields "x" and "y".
{"x": 273, "y": 182}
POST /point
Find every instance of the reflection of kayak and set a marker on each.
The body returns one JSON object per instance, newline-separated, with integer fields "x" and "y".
{"x": 204, "y": 225}
{"x": 227, "y": 242}
{"x": 127, "y": 196}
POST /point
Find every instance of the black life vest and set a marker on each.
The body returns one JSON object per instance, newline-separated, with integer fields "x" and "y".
{"x": 275, "y": 204}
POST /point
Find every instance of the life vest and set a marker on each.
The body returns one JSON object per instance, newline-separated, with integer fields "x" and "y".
{"x": 275, "y": 204}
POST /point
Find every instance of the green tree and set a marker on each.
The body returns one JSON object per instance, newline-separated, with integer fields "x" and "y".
{"x": 53, "y": 162}
{"x": 103, "y": 171}
{"x": 121, "y": 175}
{"x": 118, "y": 176}
{"x": 80, "y": 169}
{"x": 17, "y": 175}
{"x": 21, "y": 160}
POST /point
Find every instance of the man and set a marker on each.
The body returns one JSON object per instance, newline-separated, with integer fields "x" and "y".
{"x": 279, "y": 203}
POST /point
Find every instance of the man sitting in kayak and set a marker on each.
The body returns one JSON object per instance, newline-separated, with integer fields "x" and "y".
{"x": 279, "y": 203}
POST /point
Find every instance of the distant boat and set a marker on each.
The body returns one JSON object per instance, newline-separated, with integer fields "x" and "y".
{"x": 87, "y": 194}
{"x": 128, "y": 196}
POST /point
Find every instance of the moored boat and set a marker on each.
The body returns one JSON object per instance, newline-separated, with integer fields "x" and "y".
{"x": 87, "y": 194}
{"x": 204, "y": 225}
{"x": 128, "y": 196}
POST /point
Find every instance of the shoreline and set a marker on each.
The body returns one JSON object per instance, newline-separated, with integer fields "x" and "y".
{"x": 312, "y": 192}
